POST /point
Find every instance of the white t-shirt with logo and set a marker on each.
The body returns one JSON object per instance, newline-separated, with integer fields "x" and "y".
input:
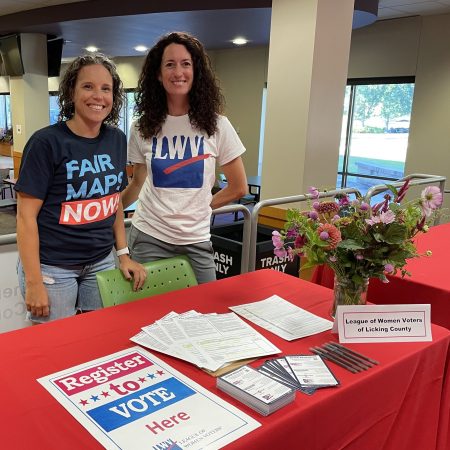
{"x": 174, "y": 203}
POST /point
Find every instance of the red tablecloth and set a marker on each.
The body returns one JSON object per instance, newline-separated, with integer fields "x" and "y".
{"x": 404, "y": 403}
{"x": 429, "y": 281}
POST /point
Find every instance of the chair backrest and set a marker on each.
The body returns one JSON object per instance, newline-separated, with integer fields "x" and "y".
{"x": 164, "y": 275}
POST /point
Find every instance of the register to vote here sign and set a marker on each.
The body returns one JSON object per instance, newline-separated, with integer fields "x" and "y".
{"x": 133, "y": 400}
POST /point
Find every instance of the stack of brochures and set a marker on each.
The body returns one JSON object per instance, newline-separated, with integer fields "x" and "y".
{"x": 256, "y": 390}
{"x": 305, "y": 373}
{"x": 210, "y": 341}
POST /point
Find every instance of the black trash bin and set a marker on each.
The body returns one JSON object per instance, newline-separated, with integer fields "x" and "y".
{"x": 227, "y": 243}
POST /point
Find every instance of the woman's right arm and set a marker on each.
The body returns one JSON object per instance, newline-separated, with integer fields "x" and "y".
{"x": 36, "y": 297}
{"x": 131, "y": 192}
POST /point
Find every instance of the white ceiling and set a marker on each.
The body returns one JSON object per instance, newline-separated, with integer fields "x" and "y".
{"x": 118, "y": 34}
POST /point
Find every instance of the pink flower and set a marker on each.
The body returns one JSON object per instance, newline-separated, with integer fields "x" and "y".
{"x": 431, "y": 199}
{"x": 334, "y": 235}
{"x": 344, "y": 201}
{"x": 277, "y": 240}
{"x": 280, "y": 252}
{"x": 324, "y": 236}
{"x": 388, "y": 268}
{"x": 384, "y": 217}
{"x": 327, "y": 208}
{"x": 313, "y": 215}
{"x": 313, "y": 191}
{"x": 364, "y": 206}
{"x": 291, "y": 254}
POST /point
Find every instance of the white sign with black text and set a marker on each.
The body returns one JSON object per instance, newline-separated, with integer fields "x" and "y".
{"x": 384, "y": 323}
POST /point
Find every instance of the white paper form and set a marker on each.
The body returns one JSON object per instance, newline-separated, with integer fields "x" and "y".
{"x": 148, "y": 341}
{"x": 159, "y": 337}
{"x": 283, "y": 318}
{"x": 225, "y": 337}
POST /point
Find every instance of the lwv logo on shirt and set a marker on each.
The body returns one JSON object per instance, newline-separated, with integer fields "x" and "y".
{"x": 178, "y": 161}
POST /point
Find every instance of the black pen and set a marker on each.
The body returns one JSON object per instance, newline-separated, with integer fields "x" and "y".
{"x": 353, "y": 359}
{"x": 340, "y": 358}
{"x": 335, "y": 360}
{"x": 366, "y": 358}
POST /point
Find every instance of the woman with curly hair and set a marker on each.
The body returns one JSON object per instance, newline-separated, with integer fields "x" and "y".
{"x": 175, "y": 144}
{"x": 69, "y": 213}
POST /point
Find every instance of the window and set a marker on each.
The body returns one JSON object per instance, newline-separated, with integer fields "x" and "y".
{"x": 127, "y": 113}
{"x": 375, "y": 131}
{"x": 5, "y": 112}
{"x": 53, "y": 107}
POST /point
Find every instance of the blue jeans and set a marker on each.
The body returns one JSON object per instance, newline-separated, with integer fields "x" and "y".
{"x": 70, "y": 288}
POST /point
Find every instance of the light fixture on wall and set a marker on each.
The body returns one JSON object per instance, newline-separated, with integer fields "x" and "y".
{"x": 91, "y": 49}
{"x": 239, "y": 41}
{"x": 141, "y": 48}
{"x": 365, "y": 13}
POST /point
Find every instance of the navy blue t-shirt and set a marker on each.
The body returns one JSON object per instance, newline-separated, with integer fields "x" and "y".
{"x": 79, "y": 180}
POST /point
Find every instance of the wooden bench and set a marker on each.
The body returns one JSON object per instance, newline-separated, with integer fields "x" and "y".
{"x": 8, "y": 202}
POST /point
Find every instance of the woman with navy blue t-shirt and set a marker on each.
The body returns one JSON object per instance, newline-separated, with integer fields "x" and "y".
{"x": 69, "y": 212}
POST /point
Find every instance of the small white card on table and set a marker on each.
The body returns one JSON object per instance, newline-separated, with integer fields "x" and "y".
{"x": 384, "y": 323}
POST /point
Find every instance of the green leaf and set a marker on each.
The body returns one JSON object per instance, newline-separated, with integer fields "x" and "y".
{"x": 351, "y": 244}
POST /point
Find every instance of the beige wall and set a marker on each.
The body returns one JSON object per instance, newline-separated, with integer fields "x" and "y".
{"x": 386, "y": 48}
{"x": 429, "y": 141}
{"x": 242, "y": 73}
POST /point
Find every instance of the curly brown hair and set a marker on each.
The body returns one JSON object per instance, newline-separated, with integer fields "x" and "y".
{"x": 67, "y": 87}
{"x": 205, "y": 98}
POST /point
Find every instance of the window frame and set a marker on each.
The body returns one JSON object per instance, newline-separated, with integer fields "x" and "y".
{"x": 353, "y": 83}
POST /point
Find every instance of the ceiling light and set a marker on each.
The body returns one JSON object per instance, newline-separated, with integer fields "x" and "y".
{"x": 239, "y": 41}
{"x": 141, "y": 48}
{"x": 91, "y": 48}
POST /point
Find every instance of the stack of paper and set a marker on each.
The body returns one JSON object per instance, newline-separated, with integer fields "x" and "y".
{"x": 305, "y": 373}
{"x": 256, "y": 390}
{"x": 209, "y": 341}
{"x": 283, "y": 318}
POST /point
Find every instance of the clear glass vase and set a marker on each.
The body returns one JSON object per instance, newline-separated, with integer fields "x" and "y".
{"x": 349, "y": 292}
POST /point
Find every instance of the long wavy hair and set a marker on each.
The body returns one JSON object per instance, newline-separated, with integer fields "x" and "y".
{"x": 68, "y": 82}
{"x": 205, "y": 98}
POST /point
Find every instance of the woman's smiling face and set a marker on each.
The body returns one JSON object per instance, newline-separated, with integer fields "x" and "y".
{"x": 177, "y": 70}
{"x": 93, "y": 95}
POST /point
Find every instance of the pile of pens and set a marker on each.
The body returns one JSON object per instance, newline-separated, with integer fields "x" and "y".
{"x": 344, "y": 357}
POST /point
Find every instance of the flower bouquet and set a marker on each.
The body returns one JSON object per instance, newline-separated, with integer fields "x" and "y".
{"x": 356, "y": 240}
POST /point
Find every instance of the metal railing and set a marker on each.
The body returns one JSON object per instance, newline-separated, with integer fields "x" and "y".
{"x": 417, "y": 179}
{"x": 282, "y": 201}
{"x": 245, "y": 233}
{"x": 8, "y": 239}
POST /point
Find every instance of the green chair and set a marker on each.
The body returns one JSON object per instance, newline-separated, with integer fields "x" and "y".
{"x": 164, "y": 275}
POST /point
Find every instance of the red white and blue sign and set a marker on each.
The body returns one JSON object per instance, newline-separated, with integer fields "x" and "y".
{"x": 133, "y": 400}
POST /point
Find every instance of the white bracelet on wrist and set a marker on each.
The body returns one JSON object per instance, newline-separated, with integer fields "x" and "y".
{"x": 123, "y": 251}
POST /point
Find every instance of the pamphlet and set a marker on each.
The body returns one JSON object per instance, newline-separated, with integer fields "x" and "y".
{"x": 258, "y": 391}
{"x": 305, "y": 373}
